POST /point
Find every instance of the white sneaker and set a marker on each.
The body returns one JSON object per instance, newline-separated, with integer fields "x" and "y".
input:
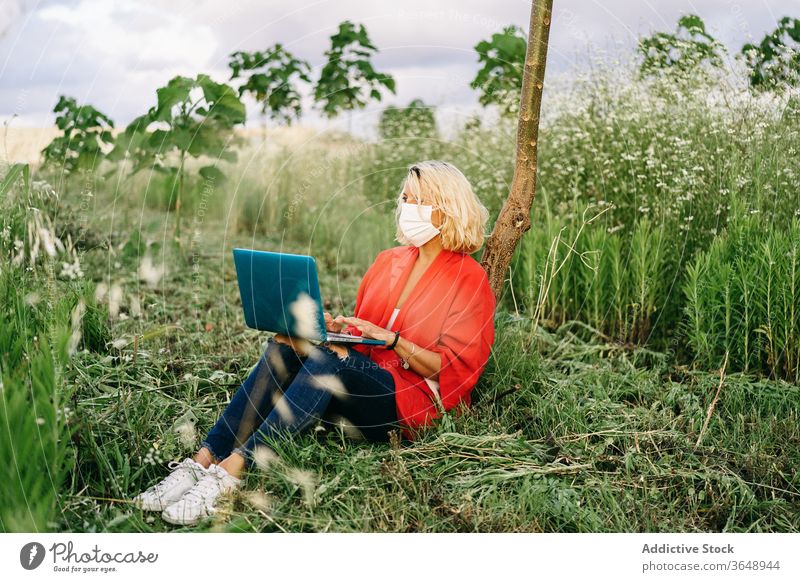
{"x": 198, "y": 502}
{"x": 182, "y": 478}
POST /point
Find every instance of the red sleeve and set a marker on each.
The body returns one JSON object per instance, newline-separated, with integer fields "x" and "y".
{"x": 466, "y": 338}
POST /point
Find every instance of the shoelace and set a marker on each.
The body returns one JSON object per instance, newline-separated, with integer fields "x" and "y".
{"x": 171, "y": 478}
{"x": 204, "y": 487}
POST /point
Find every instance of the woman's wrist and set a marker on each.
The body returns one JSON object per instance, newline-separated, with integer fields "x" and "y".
{"x": 388, "y": 337}
{"x": 424, "y": 362}
{"x": 392, "y": 342}
{"x": 405, "y": 349}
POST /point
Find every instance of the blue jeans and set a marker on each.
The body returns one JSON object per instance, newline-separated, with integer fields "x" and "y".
{"x": 286, "y": 392}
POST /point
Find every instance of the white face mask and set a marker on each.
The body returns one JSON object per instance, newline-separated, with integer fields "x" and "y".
{"x": 415, "y": 222}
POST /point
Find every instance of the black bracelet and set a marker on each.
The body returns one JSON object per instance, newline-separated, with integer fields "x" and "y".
{"x": 394, "y": 343}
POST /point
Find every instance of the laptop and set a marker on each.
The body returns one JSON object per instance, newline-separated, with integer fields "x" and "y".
{"x": 280, "y": 293}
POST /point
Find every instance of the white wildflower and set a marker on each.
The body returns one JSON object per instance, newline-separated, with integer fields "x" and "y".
{"x": 348, "y": 428}
{"x": 316, "y": 354}
{"x": 48, "y": 243}
{"x": 71, "y": 270}
{"x": 114, "y": 300}
{"x": 153, "y": 455}
{"x": 100, "y": 292}
{"x": 264, "y": 456}
{"x": 186, "y": 433}
{"x": 120, "y": 343}
{"x": 259, "y": 500}
{"x": 33, "y": 242}
{"x": 135, "y": 307}
{"x": 276, "y": 363}
{"x": 149, "y": 273}
{"x": 304, "y": 479}
{"x": 77, "y": 319}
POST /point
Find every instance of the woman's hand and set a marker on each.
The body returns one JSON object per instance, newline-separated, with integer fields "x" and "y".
{"x": 331, "y": 325}
{"x": 367, "y": 329}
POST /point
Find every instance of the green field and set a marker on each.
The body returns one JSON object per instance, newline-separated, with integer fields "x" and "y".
{"x": 662, "y": 269}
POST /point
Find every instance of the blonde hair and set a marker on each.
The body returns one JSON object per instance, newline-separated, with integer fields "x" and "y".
{"x": 464, "y": 217}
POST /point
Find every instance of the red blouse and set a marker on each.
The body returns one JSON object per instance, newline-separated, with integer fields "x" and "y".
{"x": 449, "y": 311}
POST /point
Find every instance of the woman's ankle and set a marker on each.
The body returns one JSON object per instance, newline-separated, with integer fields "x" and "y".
{"x": 234, "y": 465}
{"x": 204, "y": 457}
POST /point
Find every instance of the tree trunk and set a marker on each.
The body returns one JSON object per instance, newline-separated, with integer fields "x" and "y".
{"x": 514, "y": 218}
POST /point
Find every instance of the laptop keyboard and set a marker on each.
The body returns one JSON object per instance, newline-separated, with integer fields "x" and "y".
{"x": 344, "y": 337}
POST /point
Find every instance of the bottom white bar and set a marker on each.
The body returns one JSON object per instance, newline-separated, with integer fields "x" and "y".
{"x": 407, "y": 557}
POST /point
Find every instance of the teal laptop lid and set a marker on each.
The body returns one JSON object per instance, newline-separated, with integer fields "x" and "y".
{"x": 280, "y": 293}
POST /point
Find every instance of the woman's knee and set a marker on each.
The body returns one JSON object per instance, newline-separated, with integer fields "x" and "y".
{"x": 322, "y": 359}
{"x": 275, "y": 347}
{"x": 281, "y": 360}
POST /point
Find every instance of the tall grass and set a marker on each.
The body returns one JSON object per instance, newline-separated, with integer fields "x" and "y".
{"x": 316, "y": 196}
{"x": 34, "y": 409}
{"x": 743, "y": 299}
{"x": 574, "y": 269}
{"x": 672, "y": 164}
{"x": 45, "y": 319}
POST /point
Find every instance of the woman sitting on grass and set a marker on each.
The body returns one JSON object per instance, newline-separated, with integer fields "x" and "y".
{"x": 430, "y": 301}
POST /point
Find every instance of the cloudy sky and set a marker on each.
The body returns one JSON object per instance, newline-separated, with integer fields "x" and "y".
{"x": 115, "y": 53}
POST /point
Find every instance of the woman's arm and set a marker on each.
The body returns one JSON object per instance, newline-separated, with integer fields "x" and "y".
{"x": 424, "y": 362}
{"x": 466, "y": 337}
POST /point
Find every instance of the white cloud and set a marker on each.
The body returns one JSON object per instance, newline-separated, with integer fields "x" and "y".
{"x": 135, "y": 35}
{"x": 114, "y": 54}
{"x": 11, "y": 11}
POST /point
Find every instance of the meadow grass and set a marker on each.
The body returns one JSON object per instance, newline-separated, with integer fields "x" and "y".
{"x": 743, "y": 296}
{"x": 567, "y": 432}
{"x": 662, "y": 164}
{"x": 662, "y": 249}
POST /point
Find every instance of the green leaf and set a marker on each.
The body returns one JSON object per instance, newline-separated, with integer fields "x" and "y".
{"x": 84, "y": 128}
{"x": 212, "y": 174}
{"x": 229, "y": 108}
{"x": 176, "y": 92}
{"x": 348, "y": 78}
{"x": 12, "y": 175}
{"x": 212, "y": 91}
